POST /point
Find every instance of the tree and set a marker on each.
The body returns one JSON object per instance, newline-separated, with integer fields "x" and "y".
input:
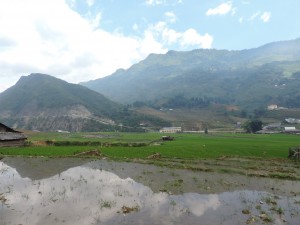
{"x": 259, "y": 112}
{"x": 243, "y": 114}
{"x": 251, "y": 126}
{"x": 206, "y": 130}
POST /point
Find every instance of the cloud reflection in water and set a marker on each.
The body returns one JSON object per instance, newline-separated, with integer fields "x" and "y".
{"x": 82, "y": 195}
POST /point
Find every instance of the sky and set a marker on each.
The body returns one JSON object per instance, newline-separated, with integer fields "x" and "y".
{"x": 81, "y": 40}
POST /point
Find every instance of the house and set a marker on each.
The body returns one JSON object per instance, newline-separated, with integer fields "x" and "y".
{"x": 273, "y": 127}
{"x": 292, "y": 120}
{"x": 291, "y": 130}
{"x": 272, "y": 107}
{"x": 167, "y": 138}
{"x": 10, "y": 137}
{"x": 170, "y": 130}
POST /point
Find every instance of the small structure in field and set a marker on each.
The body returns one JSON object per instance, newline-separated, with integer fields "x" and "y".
{"x": 10, "y": 137}
{"x": 155, "y": 155}
{"x": 167, "y": 138}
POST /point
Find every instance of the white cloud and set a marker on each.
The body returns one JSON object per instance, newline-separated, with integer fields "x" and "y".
{"x": 49, "y": 37}
{"x": 71, "y": 3}
{"x": 221, "y": 9}
{"x": 246, "y": 2}
{"x": 171, "y": 17}
{"x": 266, "y": 17}
{"x": 187, "y": 39}
{"x": 90, "y": 2}
{"x": 241, "y": 20}
{"x": 154, "y": 2}
{"x": 191, "y": 37}
{"x": 149, "y": 44}
{"x": 94, "y": 20}
{"x": 163, "y": 2}
{"x": 254, "y": 16}
{"x": 233, "y": 11}
{"x": 135, "y": 27}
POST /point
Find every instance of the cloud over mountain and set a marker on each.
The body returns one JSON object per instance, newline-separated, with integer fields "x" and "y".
{"x": 51, "y": 37}
{"x": 87, "y": 39}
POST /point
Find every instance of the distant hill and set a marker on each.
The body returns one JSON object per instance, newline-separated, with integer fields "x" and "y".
{"x": 42, "y": 102}
{"x": 250, "y": 79}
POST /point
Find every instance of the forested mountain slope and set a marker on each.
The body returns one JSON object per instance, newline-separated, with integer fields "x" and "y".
{"x": 248, "y": 78}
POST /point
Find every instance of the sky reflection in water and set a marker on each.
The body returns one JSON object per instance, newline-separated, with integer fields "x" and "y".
{"x": 84, "y": 195}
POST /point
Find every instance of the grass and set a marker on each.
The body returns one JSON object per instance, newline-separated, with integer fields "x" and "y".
{"x": 55, "y": 151}
{"x": 243, "y": 154}
{"x": 185, "y": 146}
{"x": 213, "y": 146}
{"x": 111, "y": 137}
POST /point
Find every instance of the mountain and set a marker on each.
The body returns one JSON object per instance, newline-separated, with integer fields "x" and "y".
{"x": 42, "y": 102}
{"x": 250, "y": 78}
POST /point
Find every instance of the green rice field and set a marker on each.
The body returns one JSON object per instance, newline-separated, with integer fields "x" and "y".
{"x": 141, "y": 145}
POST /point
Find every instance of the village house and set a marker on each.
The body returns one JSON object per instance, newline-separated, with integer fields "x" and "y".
{"x": 170, "y": 130}
{"x": 10, "y": 137}
{"x": 291, "y": 130}
{"x": 272, "y": 107}
{"x": 292, "y": 120}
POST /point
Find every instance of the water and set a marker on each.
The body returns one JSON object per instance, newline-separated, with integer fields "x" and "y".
{"x": 87, "y": 194}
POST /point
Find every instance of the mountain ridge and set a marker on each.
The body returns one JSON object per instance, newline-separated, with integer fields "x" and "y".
{"x": 42, "y": 102}
{"x": 206, "y": 73}
{"x": 47, "y": 87}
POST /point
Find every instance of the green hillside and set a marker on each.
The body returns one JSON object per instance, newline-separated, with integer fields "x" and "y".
{"x": 250, "y": 78}
{"x": 42, "y": 91}
{"x": 42, "y": 102}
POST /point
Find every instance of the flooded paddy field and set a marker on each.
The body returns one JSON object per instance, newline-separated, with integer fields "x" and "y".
{"x": 85, "y": 191}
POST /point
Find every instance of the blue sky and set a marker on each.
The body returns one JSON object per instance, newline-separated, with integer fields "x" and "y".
{"x": 232, "y": 24}
{"x": 80, "y": 40}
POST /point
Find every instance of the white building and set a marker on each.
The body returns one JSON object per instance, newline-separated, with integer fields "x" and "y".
{"x": 289, "y": 128}
{"x": 292, "y": 120}
{"x": 170, "y": 130}
{"x": 272, "y": 107}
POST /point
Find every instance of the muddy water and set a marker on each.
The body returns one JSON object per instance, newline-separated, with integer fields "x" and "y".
{"x": 76, "y": 191}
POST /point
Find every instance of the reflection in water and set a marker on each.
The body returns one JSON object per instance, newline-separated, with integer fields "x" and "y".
{"x": 84, "y": 195}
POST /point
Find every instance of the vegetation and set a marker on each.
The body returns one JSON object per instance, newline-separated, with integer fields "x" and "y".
{"x": 42, "y": 91}
{"x": 246, "y": 154}
{"x": 249, "y": 79}
{"x": 141, "y": 145}
{"x": 42, "y": 102}
{"x": 179, "y": 101}
{"x": 252, "y": 126}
